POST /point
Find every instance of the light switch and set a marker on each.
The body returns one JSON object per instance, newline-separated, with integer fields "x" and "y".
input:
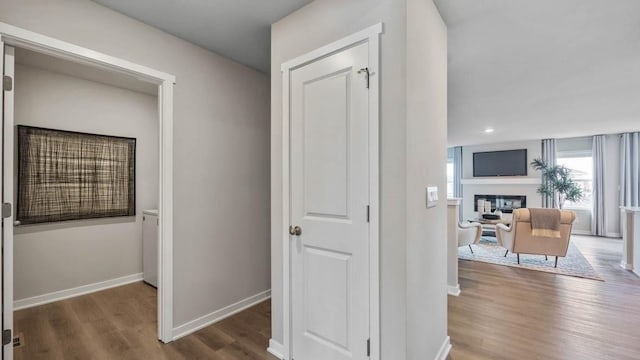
{"x": 432, "y": 196}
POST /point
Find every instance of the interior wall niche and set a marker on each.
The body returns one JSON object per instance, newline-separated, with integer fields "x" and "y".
{"x": 65, "y": 175}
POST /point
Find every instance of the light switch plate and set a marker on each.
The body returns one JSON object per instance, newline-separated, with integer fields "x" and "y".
{"x": 432, "y": 196}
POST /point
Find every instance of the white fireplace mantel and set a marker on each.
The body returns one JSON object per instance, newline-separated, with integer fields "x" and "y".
{"x": 502, "y": 181}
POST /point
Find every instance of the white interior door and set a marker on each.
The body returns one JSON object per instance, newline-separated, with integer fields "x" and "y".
{"x": 329, "y": 184}
{"x": 6, "y": 173}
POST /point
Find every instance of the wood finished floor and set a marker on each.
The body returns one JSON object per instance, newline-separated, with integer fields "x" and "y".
{"x": 120, "y": 323}
{"x": 511, "y": 313}
{"x": 502, "y": 313}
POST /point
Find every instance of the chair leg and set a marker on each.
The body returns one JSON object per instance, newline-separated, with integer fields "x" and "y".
{"x": 556, "y": 265}
{"x": 470, "y": 248}
{"x": 505, "y": 253}
{"x": 546, "y": 258}
{"x": 518, "y": 258}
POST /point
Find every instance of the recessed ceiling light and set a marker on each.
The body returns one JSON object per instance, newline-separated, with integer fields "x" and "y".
{"x": 488, "y": 131}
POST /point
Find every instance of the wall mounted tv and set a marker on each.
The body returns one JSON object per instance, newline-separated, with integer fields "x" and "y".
{"x": 500, "y": 163}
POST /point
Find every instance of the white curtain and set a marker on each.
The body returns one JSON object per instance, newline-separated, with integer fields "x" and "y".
{"x": 630, "y": 169}
{"x": 549, "y": 157}
{"x": 598, "y": 217}
{"x": 457, "y": 175}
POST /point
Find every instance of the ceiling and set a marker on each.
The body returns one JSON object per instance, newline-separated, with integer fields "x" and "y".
{"x": 526, "y": 69}
{"x": 541, "y": 69}
{"x": 237, "y": 29}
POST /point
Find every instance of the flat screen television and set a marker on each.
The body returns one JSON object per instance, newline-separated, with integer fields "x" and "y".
{"x": 500, "y": 163}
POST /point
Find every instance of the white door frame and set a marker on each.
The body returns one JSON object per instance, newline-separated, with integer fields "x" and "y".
{"x": 7, "y": 109}
{"x": 372, "y": 36}
{"x": 14, "y": 36}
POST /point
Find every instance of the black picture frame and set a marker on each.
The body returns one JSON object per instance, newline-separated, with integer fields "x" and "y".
{"x": 68, "y": 175}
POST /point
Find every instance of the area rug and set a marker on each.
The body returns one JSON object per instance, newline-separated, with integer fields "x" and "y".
{"x": 488, "y": 251}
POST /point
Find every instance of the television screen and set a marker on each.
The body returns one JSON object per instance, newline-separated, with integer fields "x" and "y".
{"x": 500, "y": 163}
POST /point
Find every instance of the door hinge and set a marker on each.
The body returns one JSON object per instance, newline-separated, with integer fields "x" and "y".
{"x": 6, "y": 210}
{"x": 7, "y": 83}
{"x": 6, "y": 337}
{"x": 367, "y": 213}
{"x": 368, "y": 347}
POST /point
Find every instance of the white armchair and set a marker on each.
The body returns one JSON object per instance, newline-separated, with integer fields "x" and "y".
{"x": 469, "y": 233}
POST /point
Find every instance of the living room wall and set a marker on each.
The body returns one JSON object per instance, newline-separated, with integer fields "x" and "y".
{"x": 583, "y": 223}
{"x": 498, "y": 187}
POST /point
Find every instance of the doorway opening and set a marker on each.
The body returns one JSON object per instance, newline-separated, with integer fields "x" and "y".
{"x": 115, "y": 73}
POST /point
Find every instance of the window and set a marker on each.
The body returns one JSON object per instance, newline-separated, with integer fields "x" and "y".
{"x": 450, "y": 173}
{"x": 576, "y": 155}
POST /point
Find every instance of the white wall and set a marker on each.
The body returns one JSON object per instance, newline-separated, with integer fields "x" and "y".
{"x": 426, "y": 164}
{"x": 534, "y": 150}
{"x": 221, "y": 142}
{"x": 58, "y": 256}
{"x": 413, "y": 146}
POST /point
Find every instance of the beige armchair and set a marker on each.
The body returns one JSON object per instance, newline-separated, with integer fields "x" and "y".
{"x": 469, "y": 233}
{"x": 518, "y": 239}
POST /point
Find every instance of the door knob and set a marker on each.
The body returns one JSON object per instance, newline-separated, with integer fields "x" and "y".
{"x": 295, "y": 230}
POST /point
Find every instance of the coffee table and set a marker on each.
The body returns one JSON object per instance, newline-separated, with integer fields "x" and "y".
{"x": 490, "y": 225}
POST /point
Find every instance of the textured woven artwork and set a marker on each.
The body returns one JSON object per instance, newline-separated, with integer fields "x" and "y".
{"x": 68, "y": 176}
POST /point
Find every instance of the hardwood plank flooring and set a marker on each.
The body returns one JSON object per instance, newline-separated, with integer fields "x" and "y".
{"x": 511, "y": 313}
{"x": 502, "y": 313}
{"x": 120, "y": 323}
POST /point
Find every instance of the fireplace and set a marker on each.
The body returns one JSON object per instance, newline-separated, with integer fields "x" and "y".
{"x": 504, "y": 203}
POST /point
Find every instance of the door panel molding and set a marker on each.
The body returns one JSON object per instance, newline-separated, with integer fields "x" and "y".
{"x": 371, "y": 36}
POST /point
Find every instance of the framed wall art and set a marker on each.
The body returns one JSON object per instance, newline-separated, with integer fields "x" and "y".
{"x": 64, "y": 175}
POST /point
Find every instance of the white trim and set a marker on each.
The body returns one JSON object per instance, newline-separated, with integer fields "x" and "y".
{"x": 502, "y": 181}
{"x": 454, "y": 201}
{"x": 7, "y": 67}
{"x": 333, "y": 47}
{"x": 626, "y": 265}
{"x": 76, "y": 291}
{"x": 218, "y": 315}
{"x": 444, "y": 349}
{"x": 165, "y": 213}
{"x": 372, "y": 36}
{"x": 44, "y": 44}
{"x": 276, "y": 349}
{"x": 374, "y": 188}
{"x": 581, "y": 232}
{"x": 613, "y": 235}
{"x": 26, "y": 39}
{"x": 454, "y": 290}
{"x": 286, "y": 260}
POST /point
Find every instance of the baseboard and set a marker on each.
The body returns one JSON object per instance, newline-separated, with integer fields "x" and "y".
{"x": 276, "y": 349}
{"x": 444, "y": 349}
{"x": 214, "y": 317}
{"x": 613, "y": 235}
{"x": 453, "y": 290}
{"x": 626, "y": 266}
{"x": 76, "y": 291}
{"x": 581, "y": 232}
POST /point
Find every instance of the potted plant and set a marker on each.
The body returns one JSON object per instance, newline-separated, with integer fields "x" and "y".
{"x": 557, "y": 183}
